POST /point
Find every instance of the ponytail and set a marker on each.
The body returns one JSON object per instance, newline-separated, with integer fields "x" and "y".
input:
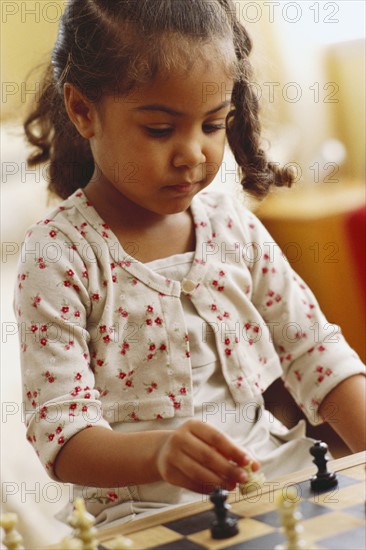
{"x": 49, "y": 129}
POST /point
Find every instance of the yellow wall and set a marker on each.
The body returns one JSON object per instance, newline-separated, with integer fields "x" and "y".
{"x": 28, "y": 31}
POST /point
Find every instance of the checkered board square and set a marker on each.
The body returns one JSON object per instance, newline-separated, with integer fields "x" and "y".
{"x": 332, "y": 519}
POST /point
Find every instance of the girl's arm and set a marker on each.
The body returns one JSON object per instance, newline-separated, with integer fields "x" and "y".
{"x": 195, "y": 456}
{"x": 344, "y": 408}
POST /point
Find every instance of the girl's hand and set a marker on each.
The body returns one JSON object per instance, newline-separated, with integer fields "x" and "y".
{"x": 198, "y": 457}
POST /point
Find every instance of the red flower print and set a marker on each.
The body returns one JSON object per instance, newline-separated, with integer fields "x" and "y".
{"x": 122, "y": 375}
{"x": 328, "y": 372}
{"x": 152, "y": 347}
{"x": 34, "y": 328}
{"x": 183, "y": 390}
{"x": 43, "y": 341}
{"x": 70, "y": 272}
{"x": 123, "y": 312}
{"x": 95, "y": 297}
{"x": 51, "y": 437}
{"x": 227, "y": 341}
{"x": 112, "y": 497}
{"x": 228, "y": 351}
{"x": 61, "y": 440}
{"x": 162, "y": 347}
{"x": 148, "y": 321}
{"x": 36, "y": 300}
{"x": 58, "y": 430}
{"x": 100, "y": 362}
{"x": 77, "y": 376}
{"x": 65, "y": 309}
{"x": 158, "y": 321}
{"x": 213, "y": 307}
{"x": 72, "y": 407}
{"x": 52, "y": 233}
{"x": 67, "y": 283}
{"x": 149, "y": 309}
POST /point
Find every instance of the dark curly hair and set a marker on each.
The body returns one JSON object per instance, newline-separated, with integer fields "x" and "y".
{"x": 112, "y": 46}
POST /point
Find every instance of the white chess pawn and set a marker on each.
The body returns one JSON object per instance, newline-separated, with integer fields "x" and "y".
{"x": 120, "y": 543}
{"x": 12, "y": 540}
{"x": 70, "y": 543}
{"x": 255, "y": 480}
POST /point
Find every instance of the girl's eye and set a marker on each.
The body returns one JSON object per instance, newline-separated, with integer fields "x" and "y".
{"x": 158, "y": 132}
{"x": 210, "y": 128}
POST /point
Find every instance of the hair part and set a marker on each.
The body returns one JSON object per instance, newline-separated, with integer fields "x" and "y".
{"x": 116, "y": 46}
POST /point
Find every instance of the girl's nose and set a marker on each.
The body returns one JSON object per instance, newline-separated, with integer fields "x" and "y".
{"x": 189, "y": 154}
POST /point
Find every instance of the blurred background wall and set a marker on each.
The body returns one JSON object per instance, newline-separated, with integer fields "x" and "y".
{"x": 310, "y": 75}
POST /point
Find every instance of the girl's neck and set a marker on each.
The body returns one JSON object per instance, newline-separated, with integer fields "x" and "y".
{"x": 145, "y": 235}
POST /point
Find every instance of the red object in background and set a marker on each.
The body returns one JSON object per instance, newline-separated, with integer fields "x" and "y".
{"x": 355, "y": 226}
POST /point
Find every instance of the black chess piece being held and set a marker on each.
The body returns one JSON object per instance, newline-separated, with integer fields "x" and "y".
{"x": 225, "y": 525}
{"x": 323, "y": 479}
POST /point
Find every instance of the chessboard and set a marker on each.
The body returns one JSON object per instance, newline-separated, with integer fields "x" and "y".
{"x": 331, "y": 519}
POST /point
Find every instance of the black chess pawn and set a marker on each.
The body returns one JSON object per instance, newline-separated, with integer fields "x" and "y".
{"x": 225, "y": 525}
{"x": 323, "y": 479}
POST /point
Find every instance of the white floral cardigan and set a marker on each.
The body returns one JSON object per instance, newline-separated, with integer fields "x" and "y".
{"x": 103, "y": 338}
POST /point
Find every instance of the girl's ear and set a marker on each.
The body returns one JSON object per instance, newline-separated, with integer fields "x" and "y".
{"x": 81, "y": 110}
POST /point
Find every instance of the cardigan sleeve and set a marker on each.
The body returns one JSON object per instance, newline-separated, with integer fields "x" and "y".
{"x": 313, "y": 353}
{"x": 52, "y": 304}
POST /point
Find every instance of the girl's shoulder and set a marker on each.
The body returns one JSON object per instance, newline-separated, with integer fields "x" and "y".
{"x": 229, "y": 209}
{"x": 62, "y": 220}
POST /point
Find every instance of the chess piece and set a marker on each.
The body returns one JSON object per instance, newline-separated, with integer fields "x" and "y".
{"x": 120, "y": 543}
{"x": 83, "y": 524}
{"x": 12, "y": 540}
{"x": 255, "y": 480}
{"x": 225, "y": 525}
{"x": 290, "y": 520}
{"x": 323, "y": 479}
{"x": 70, "y": 543}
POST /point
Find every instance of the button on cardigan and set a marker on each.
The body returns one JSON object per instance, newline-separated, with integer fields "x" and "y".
{"x": 103, "y": 337}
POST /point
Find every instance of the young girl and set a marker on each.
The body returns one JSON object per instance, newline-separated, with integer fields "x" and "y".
{"x": 151, "y": 313}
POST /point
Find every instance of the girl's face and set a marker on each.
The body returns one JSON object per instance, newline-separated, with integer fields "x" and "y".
{"x": 158, "y": 147}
